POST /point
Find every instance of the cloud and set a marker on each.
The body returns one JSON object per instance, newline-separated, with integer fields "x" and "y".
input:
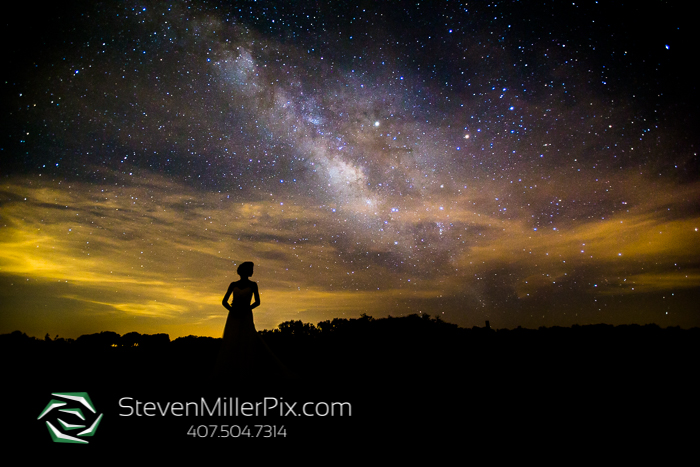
{"x": 343, "y": 171}
{"x": 166, "y": 251}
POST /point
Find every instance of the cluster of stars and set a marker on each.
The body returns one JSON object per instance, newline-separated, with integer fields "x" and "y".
{"x": 455, "y": 148}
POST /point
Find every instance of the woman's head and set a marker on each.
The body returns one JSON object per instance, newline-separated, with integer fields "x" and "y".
{"x": 245, "y": 269}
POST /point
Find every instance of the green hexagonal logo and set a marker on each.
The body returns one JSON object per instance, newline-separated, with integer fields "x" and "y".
{"x": 71, "y": 419}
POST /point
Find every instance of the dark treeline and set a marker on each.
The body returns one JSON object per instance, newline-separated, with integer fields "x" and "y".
{"x": 414, "y": 347}
{"x": 409, "y": 379}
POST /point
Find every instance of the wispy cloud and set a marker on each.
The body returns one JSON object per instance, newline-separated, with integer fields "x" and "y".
{"x": 167, "y": 252}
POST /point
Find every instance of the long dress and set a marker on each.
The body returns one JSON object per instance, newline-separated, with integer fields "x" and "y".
{"x": 244, "y": 356}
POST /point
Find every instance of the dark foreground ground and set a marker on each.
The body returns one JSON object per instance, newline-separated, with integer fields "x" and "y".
{"x": 398, "y": 387}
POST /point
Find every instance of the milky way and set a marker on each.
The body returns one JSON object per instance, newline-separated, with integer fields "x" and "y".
{"x": 527, "y": 164}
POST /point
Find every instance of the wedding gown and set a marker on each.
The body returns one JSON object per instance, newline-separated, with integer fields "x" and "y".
{"x": 244, "y": 356}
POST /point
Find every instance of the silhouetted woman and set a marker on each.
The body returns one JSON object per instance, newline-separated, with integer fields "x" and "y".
{"x": 244, "y": 355}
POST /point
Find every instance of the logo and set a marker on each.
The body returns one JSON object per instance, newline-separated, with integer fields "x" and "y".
{"x": 74, "y": 417}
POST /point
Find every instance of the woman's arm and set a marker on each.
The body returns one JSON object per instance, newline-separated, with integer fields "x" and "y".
{"x": 256, "y": 303}
{"x": 224, "y": 302}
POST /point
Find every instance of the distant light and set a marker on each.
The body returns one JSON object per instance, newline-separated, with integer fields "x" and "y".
{"x": 376, "y": 123}
{"x": 667, "y": 47}
{"x": 466, "y": 136}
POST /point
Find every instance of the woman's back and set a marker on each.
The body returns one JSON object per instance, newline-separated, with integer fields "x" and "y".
{"x": 242, "y": 294}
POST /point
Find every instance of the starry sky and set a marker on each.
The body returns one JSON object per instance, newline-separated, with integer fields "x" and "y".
{"x": 527, "y": 163}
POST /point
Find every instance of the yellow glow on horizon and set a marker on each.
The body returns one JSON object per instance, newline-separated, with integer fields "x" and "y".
{"x": 162, "y": 256}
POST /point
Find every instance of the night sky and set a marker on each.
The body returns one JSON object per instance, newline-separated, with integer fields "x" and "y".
{"x": 527, "y": 163}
